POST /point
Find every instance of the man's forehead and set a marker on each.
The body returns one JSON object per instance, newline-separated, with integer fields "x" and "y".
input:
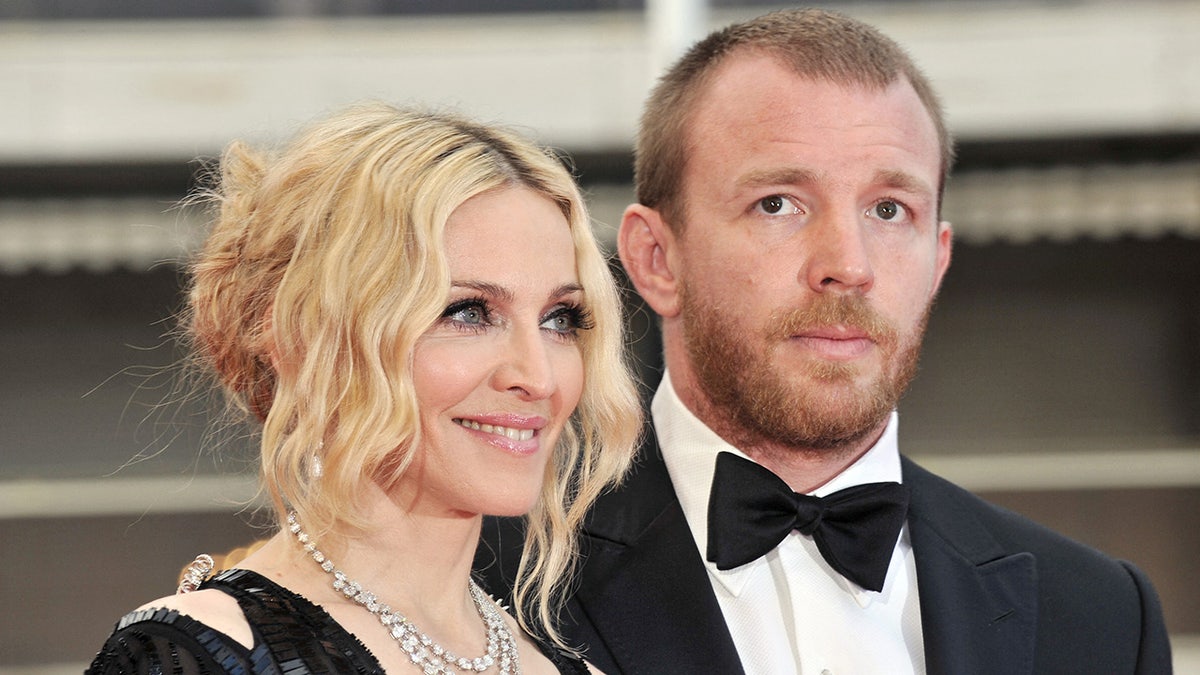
{"x": 752, "y": 95}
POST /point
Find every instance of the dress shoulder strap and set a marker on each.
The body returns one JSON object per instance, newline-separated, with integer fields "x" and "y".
{"x": 296, "y": 635}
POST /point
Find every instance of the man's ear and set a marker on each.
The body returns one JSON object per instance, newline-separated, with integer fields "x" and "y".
{"x": 647, "y": 248}
{"x": 945, "y": 243}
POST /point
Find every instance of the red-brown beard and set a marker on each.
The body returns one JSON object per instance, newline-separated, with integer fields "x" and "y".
{"x": 808, "y": 410}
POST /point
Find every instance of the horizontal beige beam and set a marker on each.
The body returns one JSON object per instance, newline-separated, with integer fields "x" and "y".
{"x": 118, "y": 496}
{"x": 1069, "y": 470}
{"x": 991, "y": 472}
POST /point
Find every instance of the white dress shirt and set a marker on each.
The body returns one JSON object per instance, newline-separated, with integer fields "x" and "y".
{"x": 789, "y": 611}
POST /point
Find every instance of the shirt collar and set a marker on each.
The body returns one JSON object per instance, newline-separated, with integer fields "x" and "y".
{"x": 690, "y": 449}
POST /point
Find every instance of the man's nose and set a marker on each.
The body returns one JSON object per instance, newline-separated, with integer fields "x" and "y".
{"x": 838, "y": 258}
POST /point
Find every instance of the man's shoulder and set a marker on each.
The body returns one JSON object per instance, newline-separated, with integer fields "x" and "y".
{"x": 1088, "y": 603}
{"x": 623, "y": 512}
{"x": 962, "y": 519}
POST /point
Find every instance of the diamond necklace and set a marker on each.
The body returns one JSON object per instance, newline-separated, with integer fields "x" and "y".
{"x": 420, "y": 648}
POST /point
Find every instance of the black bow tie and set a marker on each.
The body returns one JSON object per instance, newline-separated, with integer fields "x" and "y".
{"x": 751, "y": 510}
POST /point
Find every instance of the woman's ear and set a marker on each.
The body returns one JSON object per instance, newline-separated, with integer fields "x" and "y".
{"x": 647, "y": 249}
{"x": 269, "y": 345}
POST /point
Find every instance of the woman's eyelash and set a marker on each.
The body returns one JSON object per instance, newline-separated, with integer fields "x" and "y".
{"x": 475, "y": 314}
{"x": 469, "y": 312}
{"x": 579, "y": 317}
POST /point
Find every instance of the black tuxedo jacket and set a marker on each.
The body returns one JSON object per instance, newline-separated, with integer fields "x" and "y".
{"x": 998, "y": 593}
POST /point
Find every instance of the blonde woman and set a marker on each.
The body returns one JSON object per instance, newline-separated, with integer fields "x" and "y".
{"x": 415, "y": 308}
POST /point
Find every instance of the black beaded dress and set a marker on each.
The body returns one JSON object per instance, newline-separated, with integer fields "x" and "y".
{"x": 292, "y": 636}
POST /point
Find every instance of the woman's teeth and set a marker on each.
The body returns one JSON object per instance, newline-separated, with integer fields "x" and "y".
{"x": 513, "y": 434}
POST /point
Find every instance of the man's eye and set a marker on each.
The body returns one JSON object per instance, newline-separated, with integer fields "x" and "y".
{"x": 776, "y": 205}
{"x": 886, "y": 210}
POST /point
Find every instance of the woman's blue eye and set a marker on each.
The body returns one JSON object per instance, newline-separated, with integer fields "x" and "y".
{"x": 468, "y": 312}
{"x": 568, "y": 320}
{"x": 470, "y": 315}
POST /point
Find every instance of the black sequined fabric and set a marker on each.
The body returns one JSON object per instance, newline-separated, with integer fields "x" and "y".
{"x": 292, "y": 636}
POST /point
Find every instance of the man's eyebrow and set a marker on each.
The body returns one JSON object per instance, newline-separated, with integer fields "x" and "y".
{"x": 902, "y": 180}
{"x": 780, "y": 176}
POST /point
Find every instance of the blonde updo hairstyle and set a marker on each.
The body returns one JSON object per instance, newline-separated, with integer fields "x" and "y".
{"x": 325, "y": 265}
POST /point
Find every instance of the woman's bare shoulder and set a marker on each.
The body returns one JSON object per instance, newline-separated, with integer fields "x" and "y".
{"x": 213, "y": 608}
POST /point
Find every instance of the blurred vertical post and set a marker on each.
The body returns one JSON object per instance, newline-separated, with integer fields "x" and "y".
{"x": 672, "y": 27}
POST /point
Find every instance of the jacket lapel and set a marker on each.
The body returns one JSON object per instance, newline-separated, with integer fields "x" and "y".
{"x": 644, "y": 590}
{"x": 978, "y": 601}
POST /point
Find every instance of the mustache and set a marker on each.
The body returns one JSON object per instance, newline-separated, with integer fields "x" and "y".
{"x": 851, "y": 311}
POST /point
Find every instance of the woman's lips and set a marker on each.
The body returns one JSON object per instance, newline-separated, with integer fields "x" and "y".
{"x": 514, "y": 433}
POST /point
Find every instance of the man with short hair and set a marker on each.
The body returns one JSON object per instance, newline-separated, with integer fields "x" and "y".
{"x": 789, "y": 175}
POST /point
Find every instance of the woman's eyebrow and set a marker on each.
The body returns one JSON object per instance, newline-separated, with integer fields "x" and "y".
{"x": 566, "y": 289}
{"x": 484, "y": 288}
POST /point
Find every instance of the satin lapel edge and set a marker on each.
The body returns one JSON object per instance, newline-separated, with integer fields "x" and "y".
{"x": 644, "y": 587}
{"x": 978, "y": 599}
